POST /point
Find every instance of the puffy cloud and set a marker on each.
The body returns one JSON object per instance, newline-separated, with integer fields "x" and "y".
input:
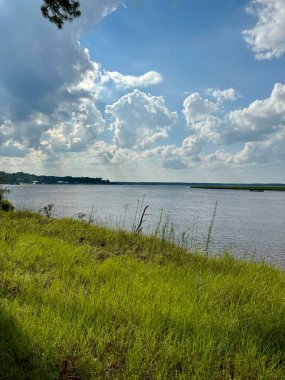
{"x": 12, "y": 140}
{"x": 140, "y": 120}
{"x": 174, "y": 164}
{"x": 127, "y": 81}
{"x": 173, "y": 157}
{"x": 268, "y": 151}
{"x": 260, "y": 127}
{"x": 71, "y": 137}
{"x": 267, "y": 37}
{"x": 252, "y": 123}
{"x": 48, "y": 80}
{"x": 259, "y": 119}
{"x": 217, "y": 157}
{"x": 256, "y": 133}
{"x": 38, "y": 73}
{"x": 197, "y": 108}
{"x": 192, "y": 146}
{"x": 112, "y": 155}
{"x": 204, "y": 126}
{"x": 50, "y": 88}
{"x": 86, "y": 123}
{"x": 221, "y": 95}
{"x": 265, "y": 152}
{"x": 6, "y": 131}
{"x": 12, "y": 149}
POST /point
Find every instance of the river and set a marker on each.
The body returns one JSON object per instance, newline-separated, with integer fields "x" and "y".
{"x": 247, "y": 224}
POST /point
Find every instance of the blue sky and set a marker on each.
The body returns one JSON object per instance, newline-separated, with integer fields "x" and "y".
{"x": 166, "y": 90}
{"x": 193, "y": 44}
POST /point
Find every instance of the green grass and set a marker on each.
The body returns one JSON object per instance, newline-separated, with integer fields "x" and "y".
{"x": 83, "y": 302}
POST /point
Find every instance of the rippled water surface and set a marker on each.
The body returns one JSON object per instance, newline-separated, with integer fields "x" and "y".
{"x": 246, "y": 223}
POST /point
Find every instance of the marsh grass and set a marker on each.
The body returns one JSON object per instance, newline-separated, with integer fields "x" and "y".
{"x": 140, "y": 219}
{"x": 210, "y": 229}
{"x": 84, "y": 302}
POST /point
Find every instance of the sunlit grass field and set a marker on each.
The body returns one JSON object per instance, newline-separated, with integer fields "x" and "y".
{"x": 84, "y": 302}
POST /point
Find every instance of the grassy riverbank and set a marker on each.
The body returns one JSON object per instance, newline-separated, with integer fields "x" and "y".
{"x": 84, "y": 302}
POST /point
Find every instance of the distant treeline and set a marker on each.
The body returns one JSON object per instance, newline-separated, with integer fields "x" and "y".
{"x": 20, "y": 177}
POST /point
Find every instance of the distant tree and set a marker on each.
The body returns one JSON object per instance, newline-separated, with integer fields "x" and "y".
{"x": 3, "y": 178}
{"x": 60, "y": 11}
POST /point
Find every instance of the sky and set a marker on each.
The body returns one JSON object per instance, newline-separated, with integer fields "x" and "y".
{"x": 145, "y": 90}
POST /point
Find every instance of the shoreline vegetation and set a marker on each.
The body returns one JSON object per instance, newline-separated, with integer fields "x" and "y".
{"x": 21, "y": 178}
{"x": 250, "y": 187}
{"x": 79, "y": 301}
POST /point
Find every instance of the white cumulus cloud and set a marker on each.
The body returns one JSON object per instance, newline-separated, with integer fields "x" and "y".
{"x": 221, "y": 95}
{"x": 139, "y": 120}
{"x": 270, "y": 150}
{"x": 259, "y": 127}
{"x": 127, "y": 81}
{"x": 74, "y": 136}
{"x": 267, "y": 38}
{"x": 260, "y": 119}
{"x": 196, "y": 108}
{"x": 46, "y": 77}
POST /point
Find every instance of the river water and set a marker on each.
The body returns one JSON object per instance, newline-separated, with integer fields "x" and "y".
{"x": 247, "y": 224}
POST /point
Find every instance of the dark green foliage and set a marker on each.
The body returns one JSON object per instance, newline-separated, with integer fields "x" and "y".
{"x": 60, "y": 11}
{"x": 2, "y": 177}
{"x": 15, "y": 351}
{"x": 20, "y": 177}
{"x": 6, "y": 205}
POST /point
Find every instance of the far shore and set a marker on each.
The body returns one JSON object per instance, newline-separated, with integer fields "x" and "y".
{"x": 256, "y": 188}
{"x": 249, "y": 187}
